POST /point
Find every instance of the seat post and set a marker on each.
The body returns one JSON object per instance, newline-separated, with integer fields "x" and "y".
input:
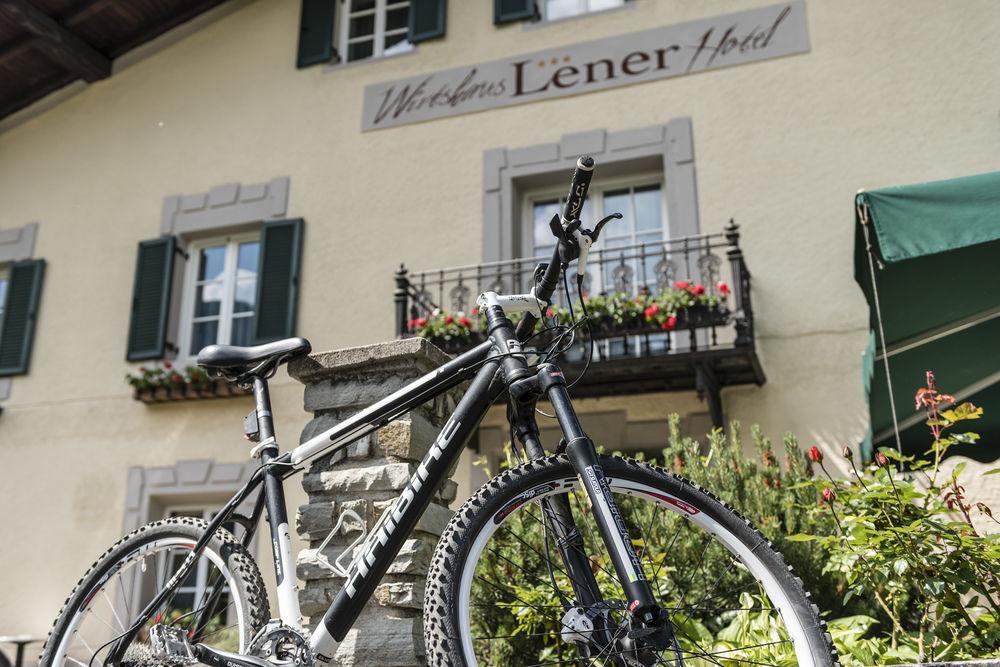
{"x": 265, "y": 421}
{"x": 277, "y": 514}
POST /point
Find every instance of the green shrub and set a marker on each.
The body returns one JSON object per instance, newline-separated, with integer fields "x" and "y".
{"x": 906, "y": 540}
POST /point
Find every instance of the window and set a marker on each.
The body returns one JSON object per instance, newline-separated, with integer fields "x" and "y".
{"x": 220, "y": 293}
{"x": 196, "y": 587}
{"x": 635, "y": 237}
{"x": 560, "y": 9}
{"x": 374, "y": 28}
{"x": 4, "y": 280}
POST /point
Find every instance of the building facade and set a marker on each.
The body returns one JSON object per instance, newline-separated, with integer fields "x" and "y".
{"x": 282, "y": 159}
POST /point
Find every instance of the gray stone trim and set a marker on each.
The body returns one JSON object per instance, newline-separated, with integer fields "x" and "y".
{"x": 18, "y": 243}
{"x": 149, "y": 490}
{"x": 5, "y": 388}
{"x": 508, "y": 172}
{"x": 225, "y": 205}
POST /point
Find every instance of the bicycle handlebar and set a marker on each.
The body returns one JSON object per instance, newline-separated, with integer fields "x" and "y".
{"x": 566, "y": 249}
{"x": 578, "y": 189}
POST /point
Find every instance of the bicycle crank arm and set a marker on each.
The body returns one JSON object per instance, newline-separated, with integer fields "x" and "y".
{"x": 216, "y": 658}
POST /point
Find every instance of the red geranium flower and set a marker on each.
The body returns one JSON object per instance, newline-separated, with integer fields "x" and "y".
{"x": 698, "y": 290}
{"x": 475, "y": 311}
{"x": 723, "y": 288}
{"x": 549, "y": 312}
{"x": 420, "y": 322}
{"x": 815, "y": 455}
{"x": 465, "y": 322}
{"x": 651, "y": 311}
{"x": 682, "y": 284}
{"x": 448, "y": 319}
{"x": 669, "y": 323}
{"x": 167, "y": 365}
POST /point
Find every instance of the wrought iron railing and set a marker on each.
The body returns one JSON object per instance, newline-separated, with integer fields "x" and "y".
{"x": 644, "y": 268}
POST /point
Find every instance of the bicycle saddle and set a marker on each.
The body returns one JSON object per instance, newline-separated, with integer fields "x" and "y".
{"x": 261, "y": 359}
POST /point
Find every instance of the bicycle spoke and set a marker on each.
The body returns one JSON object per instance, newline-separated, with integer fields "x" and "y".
{"x": 695, "y": 578}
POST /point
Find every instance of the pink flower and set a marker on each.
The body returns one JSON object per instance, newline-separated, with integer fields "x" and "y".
{"x": 682, "y": 284}
{"x": 829, "y": 495}
{"x": 420, "y": 322}
{"x": 815, "y": 455}
{"x": 698, "y": 290}
{"x": 167, "y": 365}
{"x": 882, "y": 459}
{"x": 723, "y": 288}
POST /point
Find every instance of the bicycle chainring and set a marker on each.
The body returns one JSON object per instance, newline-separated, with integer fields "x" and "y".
{"x": 281, "y": 645}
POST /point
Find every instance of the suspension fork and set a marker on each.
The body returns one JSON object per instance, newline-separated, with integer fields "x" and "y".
{"x": 610, "y": 523}
{"x": 569, "y": 540}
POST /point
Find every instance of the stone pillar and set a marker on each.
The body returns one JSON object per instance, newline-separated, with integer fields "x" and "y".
{"x": 366, "y": 477}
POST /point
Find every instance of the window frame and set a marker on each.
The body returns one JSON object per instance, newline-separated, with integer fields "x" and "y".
{"x": 583, "y": 7}
{"x": 638, "y": 179}
{"x": 189, "y": 288}
{"x": 342, "y": 23}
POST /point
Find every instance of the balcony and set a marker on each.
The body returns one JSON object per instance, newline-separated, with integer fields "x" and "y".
{"x": 707, "y": 346}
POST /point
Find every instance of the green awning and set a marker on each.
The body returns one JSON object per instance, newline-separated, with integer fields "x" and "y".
{"x": 937, "y": 252}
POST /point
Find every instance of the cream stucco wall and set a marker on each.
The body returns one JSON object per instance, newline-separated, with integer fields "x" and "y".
{"x": 891, "y": 92}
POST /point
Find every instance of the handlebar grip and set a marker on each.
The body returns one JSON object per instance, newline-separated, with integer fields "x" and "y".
{"x": 578, "y": 190}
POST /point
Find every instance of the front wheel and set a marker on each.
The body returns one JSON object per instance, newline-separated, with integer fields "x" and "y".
{"x": 222, "y": 602}
{"x": 498, "y": 592}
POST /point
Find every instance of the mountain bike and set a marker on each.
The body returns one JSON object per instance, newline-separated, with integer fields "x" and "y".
{"x": 566, "y": 557}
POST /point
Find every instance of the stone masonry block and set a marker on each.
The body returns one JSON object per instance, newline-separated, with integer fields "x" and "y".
{"x": 384, "y": 477}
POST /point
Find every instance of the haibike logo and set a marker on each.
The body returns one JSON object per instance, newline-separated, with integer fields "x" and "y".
{"x": 383, "y": 530}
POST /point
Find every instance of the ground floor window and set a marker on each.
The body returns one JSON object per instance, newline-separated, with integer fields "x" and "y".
{"x": 196, "y": 589}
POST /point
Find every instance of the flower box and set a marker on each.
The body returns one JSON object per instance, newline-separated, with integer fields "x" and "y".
{"x": 188, "y": 392}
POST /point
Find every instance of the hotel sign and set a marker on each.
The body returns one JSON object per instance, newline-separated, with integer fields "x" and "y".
{"x": 675, "y": 50}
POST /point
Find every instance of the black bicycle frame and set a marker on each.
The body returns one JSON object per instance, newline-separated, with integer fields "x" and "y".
{"x": 494, "y": 366}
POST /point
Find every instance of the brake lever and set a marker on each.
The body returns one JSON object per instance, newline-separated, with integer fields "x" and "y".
{"x": 600, "y": 225}
{"x": 586, "y": 238}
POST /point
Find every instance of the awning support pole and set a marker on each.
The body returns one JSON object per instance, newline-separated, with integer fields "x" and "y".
{"x": 863, "y": 217}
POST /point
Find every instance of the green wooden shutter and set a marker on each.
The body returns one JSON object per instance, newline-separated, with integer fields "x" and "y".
{"x": 20, "y": 312}
{"x": 508, "y": 11}
{"x": 278, "y": 280}
{"x": 316, "y": 32}
{"x": 154, "y": 272}
{"x": 427, "y": 19}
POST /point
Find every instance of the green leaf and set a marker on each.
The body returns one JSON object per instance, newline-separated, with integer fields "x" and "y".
{"x": 801, "y": 537}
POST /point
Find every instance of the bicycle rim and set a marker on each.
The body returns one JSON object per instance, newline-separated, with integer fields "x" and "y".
{"x": 707, "y": 635}
{"x": 114, "y": 602}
